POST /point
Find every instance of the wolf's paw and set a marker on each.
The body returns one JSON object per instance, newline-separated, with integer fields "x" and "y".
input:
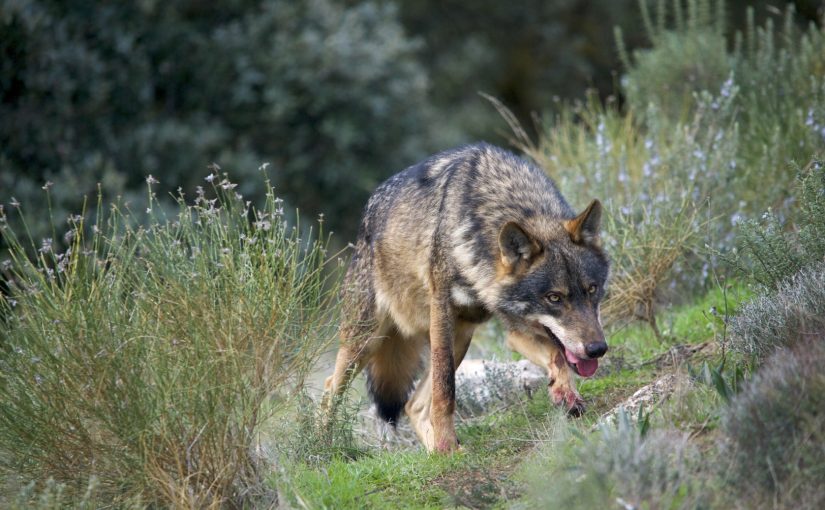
{"x": 568, "y": 398}
{"x": 577, "y": 409}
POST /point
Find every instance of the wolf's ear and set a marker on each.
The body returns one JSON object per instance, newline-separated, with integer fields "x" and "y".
{"x": 516, "y": 245}
{"x": 584, "y": 228}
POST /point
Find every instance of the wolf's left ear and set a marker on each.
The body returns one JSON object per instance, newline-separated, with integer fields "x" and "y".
{"x": 584, "y": 228}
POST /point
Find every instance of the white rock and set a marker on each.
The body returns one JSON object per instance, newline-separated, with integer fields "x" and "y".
{"x": 484, "y": 384}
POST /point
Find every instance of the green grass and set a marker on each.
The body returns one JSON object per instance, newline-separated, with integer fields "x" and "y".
{"x": 494, "y": 446}
{"x": 478, "y": 474}
{"x": 380, "y": 480}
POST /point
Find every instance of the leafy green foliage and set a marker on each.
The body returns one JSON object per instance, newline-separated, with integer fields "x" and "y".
{"x": 147, "y": 357}
{"x": 769, "y": 252}
{"x": 691, "y": 58}
{"x": 476, "y": 476}
{"x": 727, "y": 385}
{"x": 332, "y": 95}
{"x": 529, "y": 54}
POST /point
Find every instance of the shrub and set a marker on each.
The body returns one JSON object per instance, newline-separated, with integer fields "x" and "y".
{"x": 53, "y": 496}
{"x": 530, "y": 53}
{"x": 690, "y": 58}
{"x": 779, "y": 73}
{"x": 645, "y": 248}
{"x": 791, "y": 314}
{"x": 147, "y": 357}
{"x": 618, "y": 464}
{"x": 769, "y": 252}
{"x": 313, "y": 438}
{"x": 775, "y": 431}
{"x": 788, "y": 266}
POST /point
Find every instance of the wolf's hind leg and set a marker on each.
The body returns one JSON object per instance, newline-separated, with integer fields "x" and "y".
{"x": 358, "y": 330}
{"x": 349, "y": 362}
{"x": 418, "y": 407}
{"x": 391, "y": 372}
{"x": 544, "y": 353}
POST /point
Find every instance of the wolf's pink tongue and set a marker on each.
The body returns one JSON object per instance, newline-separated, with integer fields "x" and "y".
{"x": 585, "y": 367}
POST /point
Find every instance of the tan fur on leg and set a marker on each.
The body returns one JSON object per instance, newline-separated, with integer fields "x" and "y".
{"x": 348, "y": 363}
{"x": 418, "y": 407}
{"x": 357, "y": 346}
{"x": 442, "y": 371}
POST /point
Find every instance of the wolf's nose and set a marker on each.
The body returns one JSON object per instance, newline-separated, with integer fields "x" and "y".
{"x": 596, "y": 349}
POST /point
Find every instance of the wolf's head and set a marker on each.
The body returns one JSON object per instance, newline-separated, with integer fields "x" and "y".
{"x": 553, "y": 278}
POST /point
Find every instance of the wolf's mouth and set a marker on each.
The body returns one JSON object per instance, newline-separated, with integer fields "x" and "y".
{"x": 582, "y": 367}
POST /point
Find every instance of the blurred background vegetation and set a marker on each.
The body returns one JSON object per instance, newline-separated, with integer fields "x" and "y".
{"x": 336, "y": 96}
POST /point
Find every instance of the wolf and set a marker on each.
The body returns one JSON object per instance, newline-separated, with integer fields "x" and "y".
{"x": 468, "y": 234}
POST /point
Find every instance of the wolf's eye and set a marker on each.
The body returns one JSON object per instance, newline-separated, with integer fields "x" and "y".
{"x": 591, "y": 289}
{"x": 555, "y": 298}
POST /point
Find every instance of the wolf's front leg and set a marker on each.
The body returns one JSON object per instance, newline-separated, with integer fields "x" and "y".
{"x": 442, "y": 373}
{"x": 419, "y": 405}
{"x": 544, "y": 353}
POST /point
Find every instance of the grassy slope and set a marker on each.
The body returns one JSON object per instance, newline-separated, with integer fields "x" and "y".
{"x": 495, "y": 445}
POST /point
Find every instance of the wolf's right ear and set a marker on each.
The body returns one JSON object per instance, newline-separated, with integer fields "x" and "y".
{"x": 516, "y": 245}
{"x": 584, "y": 228}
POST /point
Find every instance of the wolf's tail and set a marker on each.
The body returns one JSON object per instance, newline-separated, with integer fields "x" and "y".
{"x": 391, "y": 375}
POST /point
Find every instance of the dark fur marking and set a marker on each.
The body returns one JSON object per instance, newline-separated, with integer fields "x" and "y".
{"x": 388, "y": 407}
{"x": 473, "y": 314}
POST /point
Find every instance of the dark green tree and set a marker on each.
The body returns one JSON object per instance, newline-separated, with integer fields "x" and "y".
{"x": 332, "y": 95}
{"x": 528, "y": 54}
